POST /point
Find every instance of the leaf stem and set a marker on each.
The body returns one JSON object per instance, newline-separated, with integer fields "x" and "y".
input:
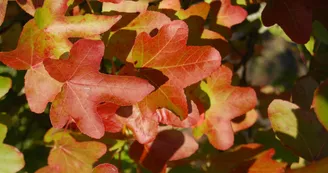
{"x": 89, "y": 5}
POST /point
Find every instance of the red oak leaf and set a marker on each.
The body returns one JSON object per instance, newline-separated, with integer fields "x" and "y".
{"x": 249, "y": 158}
{"x": 68, "y": 155}
{"x": 236, "y": 159}
{"x": 148, "y": 21}
{"x": 228, "y": 14}
{"x": 167, "y": 117}
{"x": 226, "y": 103}
{"x": 294, "y": 17}
{"x": 265, "y": 163}
{"x": 85, "y": 88}
{"x": 164, "y": 53}
{"x": 107, "y": 112}
{"x": 183, "y": 65}
{"x": 170, "y": 4}
{"x": 121, "y": 41}
{"x": 46, "y": 36}
{"x": 145, "y": 126}
{"x": 244, "y": 122}
{"x": 105, "y": 168}
{"x": 3, "y": 8}
{"x": 169, "y": 145}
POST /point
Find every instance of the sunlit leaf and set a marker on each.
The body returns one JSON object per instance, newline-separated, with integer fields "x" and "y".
{"x": 85, "y": 88}
{"x": 68, "y": 155}
{"x": 226, "y": 102}
{"x": 46, "y": 36}
{"x": 299, "y": 130}
{"x": 11, "y": 159}
{"x": 5, "y": 85}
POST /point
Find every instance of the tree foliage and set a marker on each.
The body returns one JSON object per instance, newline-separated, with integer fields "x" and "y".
{"x": 107, "y": 86}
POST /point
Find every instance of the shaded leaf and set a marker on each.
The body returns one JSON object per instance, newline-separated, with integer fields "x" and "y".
{"x": 216, "y": 40}
{"x": 244, "y": 122}
{"x": 107, "y": 112}
{"x": 30, "y": 5}
{"x": 11, "y": 159}
{"x": 294, "y": 17}
{"x": 121, "y": 41}
{"x": 303, "y": 91}
{"x": 298, "y": 129}
{"x": 169, "y": 145}
{"x": 240, "y": 156}
{"x": 269, "y": 140}
{"x": 200, "y": 9}
{"x": 85, "y": 88}
{"x": 320, "y": 166}
{"x": 264, "y": 163}
{"x": 320, "y": 32}
{"x": 165, "y": 116}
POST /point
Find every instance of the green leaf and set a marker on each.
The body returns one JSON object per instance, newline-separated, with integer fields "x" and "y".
{"x": 320, "y": 32}
{"x": 299, "y": 130}
{"x": 43, "y": 17}
{"x": 321, "y": 103}
{"x": 5, "y": 85}
{"x": 11, "y": 160}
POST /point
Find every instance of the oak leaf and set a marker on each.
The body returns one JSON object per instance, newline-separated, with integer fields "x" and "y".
{"x": 5, "y": 85}
{"x": 126, "y": 6}
{"x": 294, "y": 17}
{"x": 200, "y": 9}
{"x": 299, "y": 130}
{"x": 3, "y": 9}
{"x": 68, "y": 155}
{"x": 105, "y": 168}
{"x": 12, "y": 160}
{"x": 265, "y": 163}
{"x": 29, "y": 6}
{"x": 84, "y": 88}
{"x": 121, "y": 41}
{"x": 182, "y": 65}
{"x": 226, "y": 103}
{"x": 168, "y": 145}
{"x": 46, "y": 36}
{"x": 228, "y": 14}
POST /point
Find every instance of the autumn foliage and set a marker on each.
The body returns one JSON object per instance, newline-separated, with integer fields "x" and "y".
{"x": 112, "y": 86}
